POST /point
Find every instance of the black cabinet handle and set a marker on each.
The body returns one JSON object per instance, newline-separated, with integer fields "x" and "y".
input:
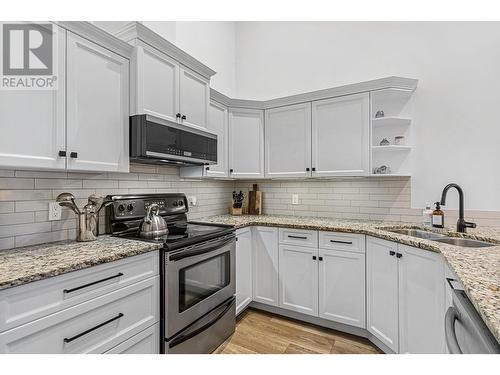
{"x": 231, "y": 170}
{"x": 320, "y": 259}
{"x": 342, "y": 242}
{"x": 297, "y": 237}
{"x": 392, "y": 253}
{"x": 178, "y": 115}
{"x": 62, "y": 154}
{"x": 314, "y": 257}
{"x": 74, "y": 155}
{"x": 307, "y": 169}
{"x": 66, "y": 340}
{"x": 399, "y": 255}
{"x": 183, "y": 117}
{"x": 207, "y": 168}
{"x": 92, "y": 283}
{"x": 313, "y": 169}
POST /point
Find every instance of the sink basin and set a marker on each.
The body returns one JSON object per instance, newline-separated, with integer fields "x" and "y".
{"x": 417, "y": 233}
{"x": 465, "y": 242}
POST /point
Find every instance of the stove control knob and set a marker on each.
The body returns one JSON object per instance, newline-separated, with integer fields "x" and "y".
{"x": 130, "y": 207}
{"x": 181, "y": 203}
{"x": 121, "y": 208}
{"x": 175, "y": 203}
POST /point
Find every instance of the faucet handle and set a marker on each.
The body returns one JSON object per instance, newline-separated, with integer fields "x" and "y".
{"x": 468, "y": 224}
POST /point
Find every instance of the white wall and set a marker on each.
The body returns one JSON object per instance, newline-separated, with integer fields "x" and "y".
{"x": 456, "y": 116}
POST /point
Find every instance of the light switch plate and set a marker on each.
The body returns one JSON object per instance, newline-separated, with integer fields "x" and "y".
{"x": 54, "y": 211}
{"x": 295, "y": 199}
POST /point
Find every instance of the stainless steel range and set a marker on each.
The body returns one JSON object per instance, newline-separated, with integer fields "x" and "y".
{"x": 197, "y": 266}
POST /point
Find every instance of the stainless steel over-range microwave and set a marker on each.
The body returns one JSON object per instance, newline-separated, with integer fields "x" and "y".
{"x": 157, "y": 141}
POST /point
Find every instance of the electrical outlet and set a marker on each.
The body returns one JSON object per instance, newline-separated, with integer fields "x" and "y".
{"x": 54, "y": 211}
{"x": 295, "y": 199}
{"x": 192, "y": 200}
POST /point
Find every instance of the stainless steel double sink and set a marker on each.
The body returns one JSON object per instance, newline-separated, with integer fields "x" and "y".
{"x": 432, "y": 236}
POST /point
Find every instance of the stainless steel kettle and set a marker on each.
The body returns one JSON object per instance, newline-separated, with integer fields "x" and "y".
{"x": 153, "y": 225}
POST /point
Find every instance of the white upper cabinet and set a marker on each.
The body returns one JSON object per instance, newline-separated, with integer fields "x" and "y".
{"x": 265, "y": 265}
{"x": 382, "y": 291}
{"x": 97, "y": 107}
{"x": 194, "y": 98}
{"x": 162, "y": 87}
{"x": 340, "y": 136}
{"x": 421, "y": 301}
{"x": 288, "y": 141}
{"x": 156, "y": 87}
{"x": 298, "y": 279}
{"x": 246, "y": 143}
{"x": 218, "y": 124}
{"x": 32, "y": 122}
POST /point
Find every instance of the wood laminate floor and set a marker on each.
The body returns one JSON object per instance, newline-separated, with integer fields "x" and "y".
{"x": 259, "y": 332}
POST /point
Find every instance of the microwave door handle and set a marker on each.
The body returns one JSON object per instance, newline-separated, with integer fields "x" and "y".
{"x": 188, "y": 335}
{"x": 449, "y": 328}
{"x": 198, "y": 250}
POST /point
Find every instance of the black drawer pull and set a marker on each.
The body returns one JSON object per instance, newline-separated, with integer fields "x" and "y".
{"x": 297, "y": 237}
{"x": 62, "y": 154}
{"x": 314, "y": 257}
{"x": 74, "y": 155}
{"x": 321, "y": 259}
{"x": 66, "y": 340}
{"x": 399, "y": 255}
{"x": 92, "y": 283}
{"x": 343, "y": 242}
{"x": 392, "y": 253}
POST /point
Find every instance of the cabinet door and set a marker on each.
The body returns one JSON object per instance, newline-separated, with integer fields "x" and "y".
{"x": 288, "y": 141}
{"x": 265, "y": 265}
{"x": 32, "y": 122}
{"x": 298, "y": 279}
{"x": 194, "y": 99}
{"x": 342, "y": 287}
{"x": 97, "y": 107}
{"x": 340, "y": 136}
{"x": 421, "y": 301}
{"x": 217, "y": 123}
{"x": 246, "y": 143}
{"x": 243, "y": 268}
{"x": 382, "y": 291}
{"x": 156, "y": 84}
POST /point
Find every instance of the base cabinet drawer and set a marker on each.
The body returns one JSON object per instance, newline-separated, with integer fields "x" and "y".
{"x": 95, "y": 326}
{"x": 342, "y": 241}
{"x": 31, "y": 301}
{"x": 145, "y": 342}
{"x": 299, "y": 237}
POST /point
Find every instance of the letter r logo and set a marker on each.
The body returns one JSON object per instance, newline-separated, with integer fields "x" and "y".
{"x": 27, "y": 49}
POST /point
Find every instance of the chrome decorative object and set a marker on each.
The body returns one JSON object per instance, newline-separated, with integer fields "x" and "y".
{"x": 153, "y": 225}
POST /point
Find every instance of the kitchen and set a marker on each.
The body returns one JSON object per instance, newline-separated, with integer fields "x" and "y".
{"x": 176, "y": 198}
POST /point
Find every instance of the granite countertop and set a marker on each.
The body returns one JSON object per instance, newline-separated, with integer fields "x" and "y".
{"x": 32, "y": 263}
{"x": 478, "y": 269}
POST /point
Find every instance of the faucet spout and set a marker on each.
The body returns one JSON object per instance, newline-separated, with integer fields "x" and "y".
{"x": 462, "y": 225}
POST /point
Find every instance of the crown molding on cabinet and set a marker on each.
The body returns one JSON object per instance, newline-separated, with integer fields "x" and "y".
{"x": 409, "y": 84}
{"x": 136, "y": 30}
{"x": 95, "y": 34}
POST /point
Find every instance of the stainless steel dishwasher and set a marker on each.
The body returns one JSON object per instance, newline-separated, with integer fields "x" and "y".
{"x": 465, "y": 331}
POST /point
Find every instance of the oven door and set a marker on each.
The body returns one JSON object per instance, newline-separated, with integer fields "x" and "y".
{"x": 198, "y": 279}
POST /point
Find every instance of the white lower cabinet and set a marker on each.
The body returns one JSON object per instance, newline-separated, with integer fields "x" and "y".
{"x": 421, "y": 301}
{"x": 298, "y": 279}
{"x": 382, "y": 291}
{"x": 145, "y": 342}
{"x": 342, "y": 287}
{"x": 265, "y": 265}
{"x": 405, "y": 297}
{"x": 244, "y": 277}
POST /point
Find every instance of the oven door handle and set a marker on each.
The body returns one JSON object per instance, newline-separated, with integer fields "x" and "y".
{"x": 198, "y": 250}
{"x": 180, "y": 339}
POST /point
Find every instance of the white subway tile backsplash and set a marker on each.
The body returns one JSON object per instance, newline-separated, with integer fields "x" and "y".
{"x": 38, "y": 238}
{"x": 6, "y": 207}
{"x": 100, "y": 184}
{"x": 16, "y": 183}
{"x": 7, "y": 243}
{"x": 21, "y": 229}
{"x": 17, "y": 218}
{"x": 52, "y": 183}
{"x": 24, "y": 195}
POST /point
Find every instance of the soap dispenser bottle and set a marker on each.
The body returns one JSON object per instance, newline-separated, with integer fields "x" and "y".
{"x": 427, "y": 216}
{"x": 438, "y": 216}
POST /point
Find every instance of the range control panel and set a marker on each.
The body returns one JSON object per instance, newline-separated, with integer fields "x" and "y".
{"x": 132, "y": 207}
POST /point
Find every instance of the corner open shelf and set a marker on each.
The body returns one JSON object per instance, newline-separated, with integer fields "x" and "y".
{"x": 396, "y": 122}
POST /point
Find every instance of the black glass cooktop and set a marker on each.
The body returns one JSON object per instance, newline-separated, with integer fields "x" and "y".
{"x": 194, "y": 233}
